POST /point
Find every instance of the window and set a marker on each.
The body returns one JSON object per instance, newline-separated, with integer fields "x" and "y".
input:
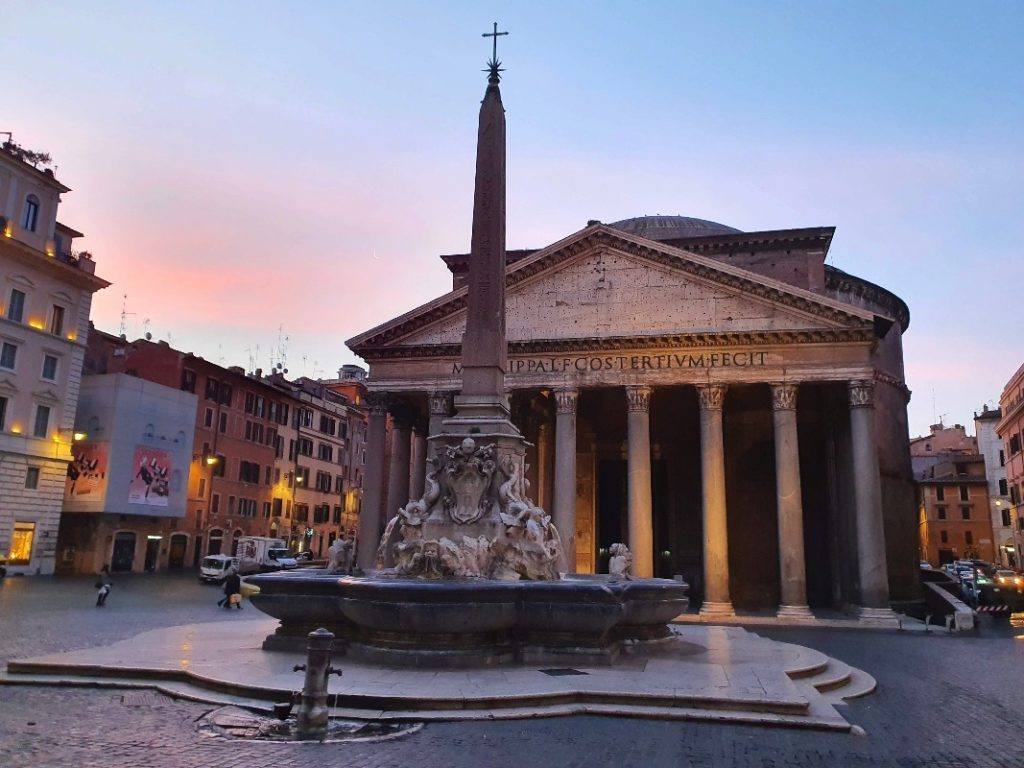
{"x": 218, "y": 466}
{"x": 968, "y": 537}
{"x": 961, "y": 469}
{"x": 248, "y": 472}
{"x": 224, "y": 395}
{"x": 304, "y": 446}
{"x": 1002, "y": 487}
{"x": 30, "y": 218}
{"x": 3, "y": 412}
{"x": 266, "y": 509}
{"x": 1006, "y": 518}
{"x": 327, "y": 425}
{"x": 1002, "y": 458}
{"x": 8, "y": 355}
{"x": 321, "y": 513}
{"x": 49, "y": 368}
{"x": 188, "y": 381}
{"x": 940, "y": 512}
{"x": 944, "y": 537}
{"x": 32, "y": 478}
{"x": 202, "y": 487}
{"x": 965, "y": 512}
{"x": 215, "y": 504}
{"x": 41, "y": 428}
{"x": 1014, "y": 445}
{"x": 208, "y": 418}
{"x": 21, "y": 543}
{"x": 323, "y": 482}
{"x": 964, "y": 495}
{"x": 301, "y": 512}
{"x": 326, "y": 452}
{"x": 250, "y": 401}
{"x": 302, "y": 476}
{"x": 212, "y": 387}
{"x": 266, "y": 476}
{"x": 337, "y": 515}
{"x": 16, "y": 306}
{"x": 57, "y": 320}
{"x": 223, "y": 423}
{"x": 940, "y": 493}
{"x": 231, "y": 505}
{"x": 339, "y": 484}
{"x": 276, "y": 508}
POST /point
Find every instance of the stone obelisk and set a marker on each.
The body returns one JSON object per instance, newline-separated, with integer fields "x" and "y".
{"x": 482, "y": 406}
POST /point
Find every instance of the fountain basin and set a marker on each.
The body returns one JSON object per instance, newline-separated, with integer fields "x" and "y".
{"x": 469, "y": 622}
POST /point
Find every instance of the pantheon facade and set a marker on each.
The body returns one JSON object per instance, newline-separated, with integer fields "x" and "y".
{"x": 724, "y": 402}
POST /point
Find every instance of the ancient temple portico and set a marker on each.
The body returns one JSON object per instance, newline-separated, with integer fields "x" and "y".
{"x": 730, "y": 427}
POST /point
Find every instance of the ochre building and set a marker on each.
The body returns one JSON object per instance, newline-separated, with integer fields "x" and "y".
{"x": 724, "y": 402}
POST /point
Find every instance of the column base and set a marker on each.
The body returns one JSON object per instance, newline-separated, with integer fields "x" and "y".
{"x": 877, "y": 617}
{"x": 795, "y": 613}
{"x": 717, "y": 610}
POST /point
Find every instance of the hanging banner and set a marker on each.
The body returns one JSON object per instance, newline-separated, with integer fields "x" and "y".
{"x": 150, "y": 484}
{"x": 87, "y": 472}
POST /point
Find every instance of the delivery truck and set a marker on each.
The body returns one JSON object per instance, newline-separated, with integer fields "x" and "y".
{"x": 255, "y": 554}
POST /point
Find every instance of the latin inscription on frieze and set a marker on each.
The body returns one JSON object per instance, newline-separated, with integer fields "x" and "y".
{"x": 640, "y": 363}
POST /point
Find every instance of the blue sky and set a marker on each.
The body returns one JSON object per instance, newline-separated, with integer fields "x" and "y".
{"x": 240, "y": 168}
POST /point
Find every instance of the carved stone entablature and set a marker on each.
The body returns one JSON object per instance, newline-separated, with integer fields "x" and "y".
{"x": 843, "y": 283}
{"x": 892, "y": 381}
{"x": 377, "y": 402}
{"x": 639, "y": 398}
{"x": 862, "y": 393}
{"x": 712, "y": 396}
{"x": 618, "y": 343}
{"x": 440, "y": 403}
{"x": 784, "y": 397}
{"x": 566, "y": 400}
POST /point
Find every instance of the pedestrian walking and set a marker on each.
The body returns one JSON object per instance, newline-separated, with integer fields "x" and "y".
{"x": 103, "y": 585}
{"x": 232, "y": 591}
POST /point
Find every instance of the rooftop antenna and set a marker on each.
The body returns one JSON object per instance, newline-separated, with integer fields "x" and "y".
{"x": 124, "y": 317}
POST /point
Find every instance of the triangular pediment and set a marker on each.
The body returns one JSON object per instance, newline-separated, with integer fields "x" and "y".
{"x": 604, "y": 284}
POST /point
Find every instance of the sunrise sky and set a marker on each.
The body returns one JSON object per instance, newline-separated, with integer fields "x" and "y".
{"x": 245, "y": 167}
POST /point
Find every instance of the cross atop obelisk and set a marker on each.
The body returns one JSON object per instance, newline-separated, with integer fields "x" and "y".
{"x": 482, "y": 401}
{"x": 494, "y": 66}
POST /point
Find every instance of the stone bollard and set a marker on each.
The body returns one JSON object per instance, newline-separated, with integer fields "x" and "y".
{"x": 311, "y": 721}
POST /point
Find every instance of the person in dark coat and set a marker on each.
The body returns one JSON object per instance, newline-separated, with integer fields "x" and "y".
{"x": 103, "y": 584}
{"x": 232, "y": 586}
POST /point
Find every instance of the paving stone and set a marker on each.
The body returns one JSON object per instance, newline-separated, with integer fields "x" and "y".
{"x": 943, "y": 701}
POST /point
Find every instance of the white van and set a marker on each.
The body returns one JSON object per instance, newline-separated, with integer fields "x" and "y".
{"x": 214, "y": 568}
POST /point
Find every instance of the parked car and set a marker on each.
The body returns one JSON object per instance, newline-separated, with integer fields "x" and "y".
{"x": 3, "y": 567}
{"x": 925, "y": 565}
{"x": 301, "y": 557}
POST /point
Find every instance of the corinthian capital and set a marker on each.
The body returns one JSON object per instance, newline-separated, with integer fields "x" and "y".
{"x": 377, "y": 402}
{"x": 565, "y": 400}
{"x": 784, "y": 397}
{"x": 862, "y": 393}
{"x": 440, "y": 403}
{"x": 712, "y": 396}
{"x": 639, "y": 398}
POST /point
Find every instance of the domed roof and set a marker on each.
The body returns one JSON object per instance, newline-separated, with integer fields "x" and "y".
{"x": 672, "y": 227}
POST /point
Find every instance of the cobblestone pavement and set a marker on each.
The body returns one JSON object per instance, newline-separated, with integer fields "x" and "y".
{"x": 943, "y": 701}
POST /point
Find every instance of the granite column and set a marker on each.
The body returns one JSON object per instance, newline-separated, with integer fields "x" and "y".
{"x": 641, "y": 523}
{"x": 716, "y": 528}
{"x": 789, "y": 505}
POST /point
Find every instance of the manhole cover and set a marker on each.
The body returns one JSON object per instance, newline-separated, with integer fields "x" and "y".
{"x": 140, "y": 699}
{"x": 561, "y": 672}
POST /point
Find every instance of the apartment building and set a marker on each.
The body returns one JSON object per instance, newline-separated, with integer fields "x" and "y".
{"x": 44, "y": 322}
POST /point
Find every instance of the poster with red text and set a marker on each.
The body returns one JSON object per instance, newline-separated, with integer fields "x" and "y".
{"x": 87, "y": 472}
{"x": 151, "y": 477}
